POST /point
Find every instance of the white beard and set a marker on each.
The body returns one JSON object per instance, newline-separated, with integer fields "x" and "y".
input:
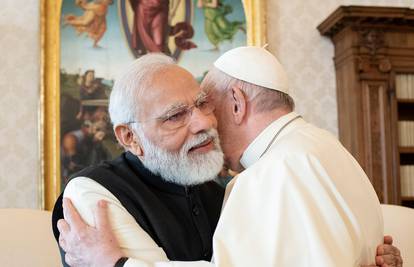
{"x": 183, "y": 168}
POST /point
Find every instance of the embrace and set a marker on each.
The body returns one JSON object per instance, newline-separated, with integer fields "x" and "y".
{"x": 300, "y": 199}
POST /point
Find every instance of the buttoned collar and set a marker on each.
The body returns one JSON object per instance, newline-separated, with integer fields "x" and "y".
{"x": 256, "y": 148}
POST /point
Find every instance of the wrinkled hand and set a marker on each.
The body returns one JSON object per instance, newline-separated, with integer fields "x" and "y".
{"x": 388, "y": 255}
{"x": 85, "y": 245}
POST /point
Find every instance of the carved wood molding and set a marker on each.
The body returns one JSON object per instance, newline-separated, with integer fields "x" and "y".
{"x": 374, "y": 65}
{"x": 373, "y": 41}
{"x": 377, "y": 17}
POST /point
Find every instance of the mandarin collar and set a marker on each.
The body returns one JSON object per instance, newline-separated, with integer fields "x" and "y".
{"x": 256, "y": 148}
{"x": 155, "y": 180}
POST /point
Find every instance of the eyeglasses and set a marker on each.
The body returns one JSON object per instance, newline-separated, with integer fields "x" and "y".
{"x": 179, "y": 116}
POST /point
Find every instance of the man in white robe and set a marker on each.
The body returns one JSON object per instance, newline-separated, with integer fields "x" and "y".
{"x": 301, "y": 192}
{"x": 302, "y": 199}
{"x": 305, "y": 196}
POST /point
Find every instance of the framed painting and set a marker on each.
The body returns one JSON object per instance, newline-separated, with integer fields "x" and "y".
{"x": 85, "y": 43}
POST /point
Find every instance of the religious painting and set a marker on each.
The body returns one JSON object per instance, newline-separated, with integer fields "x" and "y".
{"x": 86, "y": 43}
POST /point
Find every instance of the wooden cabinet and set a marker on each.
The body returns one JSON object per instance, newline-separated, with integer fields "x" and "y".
{"x": 373, "y": 45}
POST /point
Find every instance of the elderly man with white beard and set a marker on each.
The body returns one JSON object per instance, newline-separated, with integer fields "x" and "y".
{"x": 292, "y": 206}
{"x": 160, "y": 191}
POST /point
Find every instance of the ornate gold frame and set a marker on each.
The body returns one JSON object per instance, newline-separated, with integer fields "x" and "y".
{"x": 50, "y": 84}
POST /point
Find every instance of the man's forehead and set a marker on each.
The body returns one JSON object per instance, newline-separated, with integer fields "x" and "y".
{"x": 174, "y": 87}
{"x": 189, "y": 99}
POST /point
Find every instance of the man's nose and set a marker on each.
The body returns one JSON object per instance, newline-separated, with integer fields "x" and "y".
{"x": 200, "y": 122}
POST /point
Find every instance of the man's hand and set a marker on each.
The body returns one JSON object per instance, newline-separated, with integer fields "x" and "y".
{"x": 388, "y": 255}
{"x": 85, "y": 245}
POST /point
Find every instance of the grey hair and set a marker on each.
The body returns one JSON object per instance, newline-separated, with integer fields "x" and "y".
{"x": 123, "y": 101}
{"x": 265, "y": 99}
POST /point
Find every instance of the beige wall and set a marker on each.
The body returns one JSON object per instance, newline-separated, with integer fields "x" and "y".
{"x": 19, "y": 89}
{"x": 292, "y": 37}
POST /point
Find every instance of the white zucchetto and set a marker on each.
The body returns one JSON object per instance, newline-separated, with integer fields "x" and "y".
{"x": 254, "y": 65}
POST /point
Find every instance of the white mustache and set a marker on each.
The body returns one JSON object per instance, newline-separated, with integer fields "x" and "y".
{"x": 200, "y": 138}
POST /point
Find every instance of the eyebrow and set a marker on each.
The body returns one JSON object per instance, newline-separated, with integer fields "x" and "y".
{"x": 201, "y": 95}
{"x": 172, "y": 108}
{"x": 179, "y": 105}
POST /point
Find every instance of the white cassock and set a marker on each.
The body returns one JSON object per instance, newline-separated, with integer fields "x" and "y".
{"x": 304, "y": 202}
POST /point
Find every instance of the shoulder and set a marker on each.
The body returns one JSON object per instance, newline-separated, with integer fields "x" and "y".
{"x": 294, "y": 159}
{"x": 85, "y": 194}
{"x": 93, "y": 171}
{"x": 83, "y": 184}
{"x": 306, "y": 138}
{"x": 87, "y": 191}
{"x": 104, "y": 170}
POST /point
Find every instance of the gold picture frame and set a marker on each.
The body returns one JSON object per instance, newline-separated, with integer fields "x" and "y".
{"x": 49, "y": 126}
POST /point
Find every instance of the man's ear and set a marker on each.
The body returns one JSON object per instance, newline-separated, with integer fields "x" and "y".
{"x": 239, "y": 104}
{"x": 128, "y": 139}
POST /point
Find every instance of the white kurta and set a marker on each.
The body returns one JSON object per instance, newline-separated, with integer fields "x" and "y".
{"x": 305, "y": 202}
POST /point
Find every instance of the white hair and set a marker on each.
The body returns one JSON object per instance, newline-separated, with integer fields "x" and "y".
{"x": 266, "y": 99}
{"x": 123, "y": 102}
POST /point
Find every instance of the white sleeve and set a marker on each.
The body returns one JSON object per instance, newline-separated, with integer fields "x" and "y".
{"x": 134, "y": 241}
{"x": 137, "y": 245}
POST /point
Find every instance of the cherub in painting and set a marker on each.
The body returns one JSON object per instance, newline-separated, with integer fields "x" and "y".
{"x": 92, "y": 21}
{"x": 217, "y": 26}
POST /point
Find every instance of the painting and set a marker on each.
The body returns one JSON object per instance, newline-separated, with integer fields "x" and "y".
{"x": 85, "y": 45}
